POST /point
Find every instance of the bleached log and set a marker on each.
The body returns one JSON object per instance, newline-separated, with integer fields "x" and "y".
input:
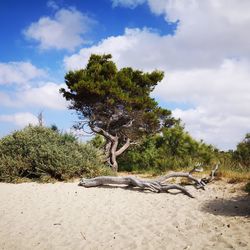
{"x": 157, "y": 185}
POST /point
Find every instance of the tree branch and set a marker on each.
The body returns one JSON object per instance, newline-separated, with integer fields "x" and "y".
{"x": 102, "y": 132}
{"x": 123, "y": 148}
{"x": 153, "y": 186}
{"x": 129, "y": 124}
{"x": 113, "y": 154}
{"x": 157, "y": 185}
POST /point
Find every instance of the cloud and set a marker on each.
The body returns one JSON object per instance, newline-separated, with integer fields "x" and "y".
{"x": 46, "y": 95}
{"x": 220, "y": 98}
{"x": 63, "y": 31}
{"x": 143, "y": 49}
{"x": 20, "y": 119}
{"x": 19, "y": 73}
{"x": 206, "y": 61}
{"x": 52, "y": 4}
{"x": 207, "y": 32}
{"x": 210, "y": 30}
{"x": 127, "y": 3}
{"x": 30, "y": 88}
{"x": 224, "y": 132}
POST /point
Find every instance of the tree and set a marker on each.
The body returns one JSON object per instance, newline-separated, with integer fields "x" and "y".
{"x": 115, "y": 103}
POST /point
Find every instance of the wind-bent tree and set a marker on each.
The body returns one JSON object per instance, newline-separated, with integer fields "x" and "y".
{"x": 115, "y": 103}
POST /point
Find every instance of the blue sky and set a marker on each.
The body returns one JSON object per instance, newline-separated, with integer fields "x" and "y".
{"x": 202, "y": 46}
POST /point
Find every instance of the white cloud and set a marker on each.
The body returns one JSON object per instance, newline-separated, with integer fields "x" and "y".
{"x": 225, "y": 86}
{"x": 20, "y": 119}
{"x": 224, "y": 132}
{"x": 220, "y": 98}
{"x": 19, "y": 73}
{"x": 46, "y": 95}
{"x": 209, "y": 30}
{"x": 232, "y": 10}
{"x": 63, "y": 31}
{"x": 117, "y": 46}
{"x": 127, "y": 3}
{"x": 52, "y": 4}
{"x": 142, "y": 49}
{"x": 30, "y": 88}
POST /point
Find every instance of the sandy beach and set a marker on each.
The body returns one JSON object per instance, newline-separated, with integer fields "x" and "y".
{"x": 66, "y": 216}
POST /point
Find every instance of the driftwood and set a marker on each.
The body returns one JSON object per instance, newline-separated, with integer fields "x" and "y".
{"x": 157, "y": 185}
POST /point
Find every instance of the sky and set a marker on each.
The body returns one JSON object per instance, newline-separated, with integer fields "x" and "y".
{"x": 202, "y": 46}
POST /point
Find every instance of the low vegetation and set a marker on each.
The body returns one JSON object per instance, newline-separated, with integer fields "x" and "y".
{"x": 171, "y": 150}
{"x": 44, "y": 154}
{"x": 174, "y": 149}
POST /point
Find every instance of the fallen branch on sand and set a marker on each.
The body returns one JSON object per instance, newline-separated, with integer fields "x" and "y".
{"x": 157, "y": 185}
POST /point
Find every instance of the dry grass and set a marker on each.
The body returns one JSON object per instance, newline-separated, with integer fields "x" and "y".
{"x": 227, "y": 174}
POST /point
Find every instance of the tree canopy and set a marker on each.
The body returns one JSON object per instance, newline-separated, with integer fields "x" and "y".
{"x": 115, "y": 103}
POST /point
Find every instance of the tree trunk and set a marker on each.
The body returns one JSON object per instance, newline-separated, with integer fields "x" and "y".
{"x": 114, "y": 164}
{"x": 157, "y": 185}
{"x": 114, "y": 152}
{"x": 111, "y": 145}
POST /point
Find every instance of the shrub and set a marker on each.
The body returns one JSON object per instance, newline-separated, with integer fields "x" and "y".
{"x": 242, "y": 153}
{"x": 42, "y": 153}
{"x": 171, "y": 150}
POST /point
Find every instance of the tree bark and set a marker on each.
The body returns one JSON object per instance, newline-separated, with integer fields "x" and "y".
{"x": 123, "y": 148}
{"x": 157, "y": 185}
{"x": 112, "y": 142}
{"x": 114, "y": 164}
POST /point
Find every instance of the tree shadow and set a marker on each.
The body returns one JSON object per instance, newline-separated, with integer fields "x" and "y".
{"x": 137, "y": 189}
{"x": 125, "y": 187}
{"x": 236, "y": 206}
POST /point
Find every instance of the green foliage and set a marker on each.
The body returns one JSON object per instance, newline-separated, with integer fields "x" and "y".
{"x": 140, "y": 157}
{"x": 242, "y": 153}
{"x": 172, "y": 149}
{"x": 110, "y": 98}
{"x": 177, "y": 142}
{"x": 42, "y": 153}
{"x": 97, "y": 141}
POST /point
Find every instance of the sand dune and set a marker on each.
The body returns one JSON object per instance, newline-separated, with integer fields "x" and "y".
{"x": 66, "y": 216}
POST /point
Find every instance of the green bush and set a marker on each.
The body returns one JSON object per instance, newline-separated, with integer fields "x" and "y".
{"x": 242, "y": 153}
{"x": 42, "y": 153}
{"x": 171, "y": 150}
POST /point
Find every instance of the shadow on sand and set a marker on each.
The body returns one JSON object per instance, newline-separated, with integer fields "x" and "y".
{"x": 137, "y": 189}
{"x": 237, "y": 206}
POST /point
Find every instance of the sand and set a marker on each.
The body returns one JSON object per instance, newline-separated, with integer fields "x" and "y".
{"x": 66, "y": 216}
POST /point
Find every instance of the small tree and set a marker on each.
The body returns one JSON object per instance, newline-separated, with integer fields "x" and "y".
{"x": 115, "y": 103}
